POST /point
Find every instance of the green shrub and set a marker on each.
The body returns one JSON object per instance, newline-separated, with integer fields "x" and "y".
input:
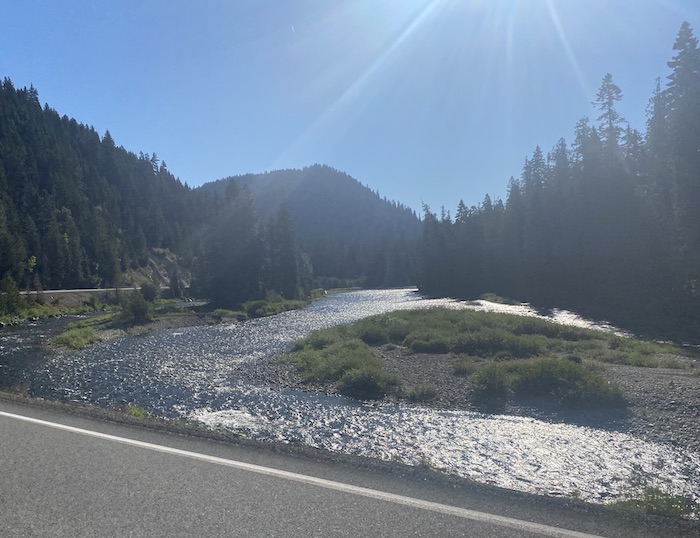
{"x": 567, "y": 383}
{"x": 324, "y": 357}
{"x": 223, "y": 313}
{"x": 372, "y": 335}
{"x": 254, "y": 309}
{"x": 381, "y": 329}
{"x": 135, "y": 411}
{"x": 317, "y": 293}
{"x": 329, "y": 363}
{"x": 321, "y": 339}
{"x": 397, "y": 330}
{"x": 367, "y": 383}
{"x": 135, "y": 308}
{"x": 490, "y": 385}
{"x": 77, "y": 337}
{"x": 263, "y": 308}
{"x": 464, "y": 365}
{"x": 149, "y": 291}
{"x": 11, "y": 301}
{"x": 561, "y": 383}
{"x": 426, "y": 343}
{"x": 421, "y": 393}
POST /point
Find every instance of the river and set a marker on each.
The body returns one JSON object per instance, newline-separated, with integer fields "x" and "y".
{"x": 203, "y": 374}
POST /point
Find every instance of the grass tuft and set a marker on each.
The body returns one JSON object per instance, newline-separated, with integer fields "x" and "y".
{"x": 135, "y": 411}
{"x": 655, "y": 501}
{"x": 421, "y": 393}
{"x": 77, "y": 338}
{"x": 562, "y": 383}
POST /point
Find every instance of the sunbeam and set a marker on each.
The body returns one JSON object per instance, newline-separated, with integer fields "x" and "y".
{"x": 355, "y": 91}
{"x": 585, "y": 88}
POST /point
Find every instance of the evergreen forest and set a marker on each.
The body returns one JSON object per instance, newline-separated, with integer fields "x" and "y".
{"x": 607, "y": 225}
{"x": 77, "y": 211}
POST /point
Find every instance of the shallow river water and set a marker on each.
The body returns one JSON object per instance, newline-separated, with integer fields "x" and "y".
{"x": 202, "y": 374}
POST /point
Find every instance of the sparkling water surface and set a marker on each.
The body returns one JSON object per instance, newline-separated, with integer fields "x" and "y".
{"x": 200, "y": 373}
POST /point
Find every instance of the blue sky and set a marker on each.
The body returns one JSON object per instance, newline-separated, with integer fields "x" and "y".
{"x": 422, "y": 100}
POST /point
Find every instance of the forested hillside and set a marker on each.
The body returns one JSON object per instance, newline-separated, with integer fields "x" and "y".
{"x": 347, "y": 230}
{"x": 75, "y": 209}
{"x": 609, "y": 225}
{"x": 78, "y": 211}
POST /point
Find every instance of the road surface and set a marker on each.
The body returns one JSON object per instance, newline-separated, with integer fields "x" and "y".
{"x": 65, "y": 475}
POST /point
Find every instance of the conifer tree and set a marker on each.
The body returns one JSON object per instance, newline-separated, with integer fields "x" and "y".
{"x": 610, "y": 120}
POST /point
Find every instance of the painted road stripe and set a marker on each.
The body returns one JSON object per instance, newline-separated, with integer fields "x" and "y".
{"x": 464, "y": 513}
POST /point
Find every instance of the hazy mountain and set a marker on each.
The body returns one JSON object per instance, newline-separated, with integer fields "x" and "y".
{"x": 347, "y": 229}
{"x": 324, "y": 202}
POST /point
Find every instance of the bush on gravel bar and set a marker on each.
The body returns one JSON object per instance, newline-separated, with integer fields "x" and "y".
{"x": 562, "y": 383}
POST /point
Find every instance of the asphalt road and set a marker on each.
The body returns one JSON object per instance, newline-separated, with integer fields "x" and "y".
{"x": 65, "y": 475}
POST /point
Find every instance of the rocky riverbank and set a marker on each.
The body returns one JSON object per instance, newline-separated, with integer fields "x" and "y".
{"x": 663, "y": 404}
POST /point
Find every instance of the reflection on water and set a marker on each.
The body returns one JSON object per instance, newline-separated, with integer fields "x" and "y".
{"x": 204, "y": 374}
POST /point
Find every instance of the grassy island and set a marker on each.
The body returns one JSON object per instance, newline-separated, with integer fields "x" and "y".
{"x": 504, "y": 358}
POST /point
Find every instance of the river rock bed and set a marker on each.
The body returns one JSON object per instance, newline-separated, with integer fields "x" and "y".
{"x": 663, "y": 404}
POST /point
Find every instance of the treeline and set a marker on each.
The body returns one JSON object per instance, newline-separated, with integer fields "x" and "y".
{"x": 243, "y": 258}
{"x": 609, "y": 225}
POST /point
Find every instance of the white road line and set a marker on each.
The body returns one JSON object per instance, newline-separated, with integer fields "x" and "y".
{"x": 464, "y": 513}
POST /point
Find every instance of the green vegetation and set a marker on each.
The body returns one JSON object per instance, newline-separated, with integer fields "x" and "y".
{"x": 655, "y": 501}
{"x": 259, "y": 309}
{"x": 135, "y": 411}
{"x": 421, "y": 393}
{"x": 134, "y": 308}
{"x": 560, "y": 383}
{"x": 150, "y": 291}
{"x": 92, "y": 321}
{"x": 29, "y": 309}
{"x": 350, "y": 363}
{"x": 224, "y": 313}
{"x": 493, "y": 298}
{"x": 506, "y": 357}
{"x": 77, "y": 337}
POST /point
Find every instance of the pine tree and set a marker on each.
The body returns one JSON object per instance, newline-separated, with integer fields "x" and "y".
{"x": 610, "y": 120}
{"x": 682, "y": 99}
